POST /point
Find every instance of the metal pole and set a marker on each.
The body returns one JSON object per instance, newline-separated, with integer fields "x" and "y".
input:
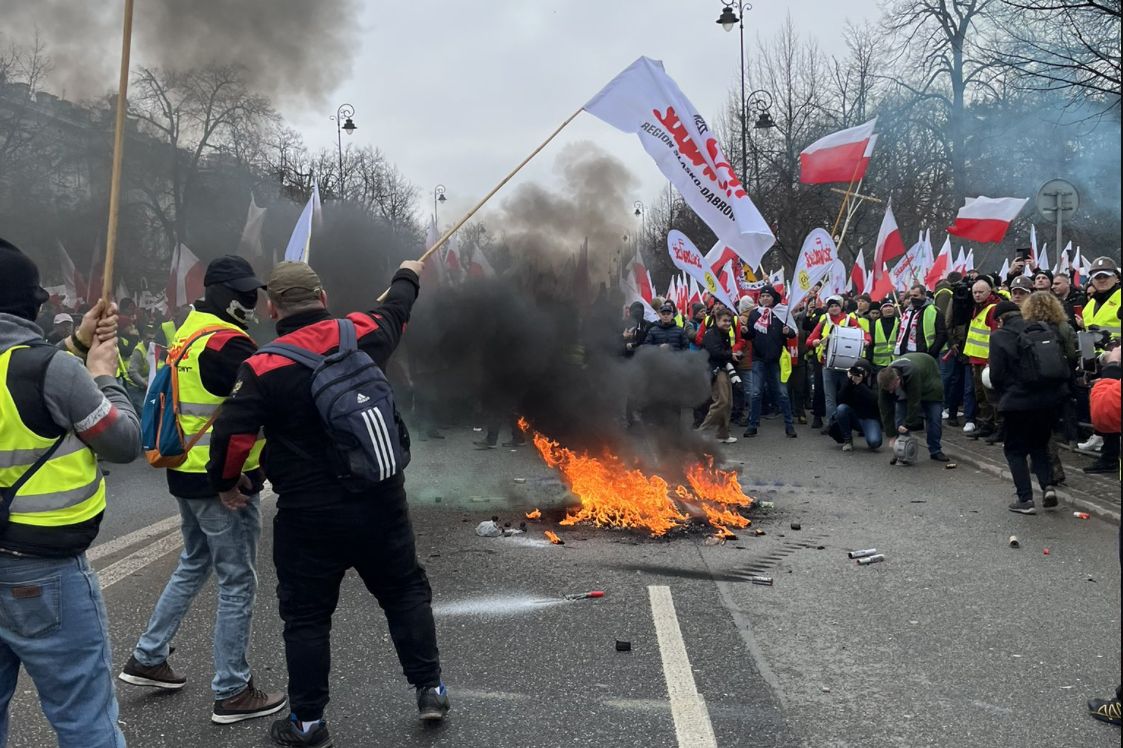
{"x": 744, "y": 129}
{"x": 339, "y": 146}
{"x": 1060, "y": 221}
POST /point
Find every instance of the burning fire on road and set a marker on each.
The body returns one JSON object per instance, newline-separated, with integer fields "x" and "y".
{"x": 612, "y": 494}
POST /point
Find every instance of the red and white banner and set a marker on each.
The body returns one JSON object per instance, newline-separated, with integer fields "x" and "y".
{"x": 816, "y": 260}
{"x": 858, "y": 273}
{"x": 635, "y": 284}
{"x": 889, "y": 243}
{"x": 687, "y": 258}
{"x": 839, "y": 157}
{"x": 644, "y": 100}
{"x": 185, "y": 281}
{"x": 910, "y": 269}
{"x": 986, "y": 219}
{"x": 941, "y": 266}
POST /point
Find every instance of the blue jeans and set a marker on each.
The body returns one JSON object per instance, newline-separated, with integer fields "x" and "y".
{"x": 213, "y": 537}
{"x": 970, "y": 407}
{"x": 848, "y": 422}
{"x": 952, "y": 376}
{"x": 932, "y": 410}
{"x": 767, "y": 374}
{"x": 833, "y": 379}
{"x": 52, "y": 621}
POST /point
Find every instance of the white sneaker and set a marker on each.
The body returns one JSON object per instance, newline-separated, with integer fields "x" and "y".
{"x": 946, "y": 414}
{"x": 1094, "y": 444}
{"x": 969, "y": 427}
{"x": 728, "y": 440}
{"x": 847, "y": 447}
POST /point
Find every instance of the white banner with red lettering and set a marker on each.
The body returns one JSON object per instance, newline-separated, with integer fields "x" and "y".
{"x": 687, "y": 258}
{"x": 644, "y": 100}
{"x": 816, "y": 261}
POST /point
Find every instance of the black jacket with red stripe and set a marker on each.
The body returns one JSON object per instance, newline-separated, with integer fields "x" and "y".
{"x": 274, "y": 393}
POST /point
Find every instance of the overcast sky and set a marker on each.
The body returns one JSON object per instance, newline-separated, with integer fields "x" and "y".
{"x": 458, "y": 93}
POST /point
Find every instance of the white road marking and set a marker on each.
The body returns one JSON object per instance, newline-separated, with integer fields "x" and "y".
{"x": 137, "y": 560}
{"x": 127, "y": 541}
{"x": 692, "y": 720}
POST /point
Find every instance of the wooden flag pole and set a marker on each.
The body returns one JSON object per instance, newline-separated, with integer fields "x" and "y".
{"x": 846, "y": 199}
{"x": 448, "y": 234}
{"x": 118, "y": 149}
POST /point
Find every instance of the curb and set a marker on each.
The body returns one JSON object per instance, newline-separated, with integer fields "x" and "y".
{"x": 1095, "y": 509}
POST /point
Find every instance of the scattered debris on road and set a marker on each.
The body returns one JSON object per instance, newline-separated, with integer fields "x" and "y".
{"x": 592, "y": 595}
{"x": 520, "y": 480}
{"x": 1081, "y": 515}
{"x": 623, "y": 646}
{"x": 1013, "y": 541}
{"x": 489, "y": 529}
{"x": 796, "y": 526}
{"x": 766, "y": 504}
{"x": 1046, "y": 552}
{"x": 762, "y": 581}
{"x": 862, "y": 553}
{"x": 877, "y": 558}
{"x": 950, "y": 466}
{"x": 758, "y": 532}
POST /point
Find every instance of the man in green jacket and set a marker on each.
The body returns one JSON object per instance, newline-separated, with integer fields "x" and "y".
{"x": 912, "y": 392}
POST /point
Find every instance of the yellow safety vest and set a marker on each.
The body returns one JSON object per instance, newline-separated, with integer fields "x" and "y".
{"x": 67, "y": 490}
{"x": 169, "y": 332}
{"x": 196, "y": 404}
{"x": 1105, "y": 317}
{"x": 882, "y": 345}
{"x": 978, "y": 336}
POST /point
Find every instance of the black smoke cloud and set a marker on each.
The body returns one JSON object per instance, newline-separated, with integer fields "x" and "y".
{"x": 288, "y": 48}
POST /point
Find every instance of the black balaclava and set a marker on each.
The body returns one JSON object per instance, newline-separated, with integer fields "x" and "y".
{"x": 232, "y": 306}
{"x": 20, "y": 292}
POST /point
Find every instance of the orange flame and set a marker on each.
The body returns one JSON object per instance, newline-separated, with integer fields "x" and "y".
{"x": 553, "y": 537}
{"x": 613, "y": 495}
{"x": 536, "y": 514}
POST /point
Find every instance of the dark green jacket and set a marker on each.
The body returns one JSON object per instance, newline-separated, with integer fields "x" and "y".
{"x": 920, "y": 383}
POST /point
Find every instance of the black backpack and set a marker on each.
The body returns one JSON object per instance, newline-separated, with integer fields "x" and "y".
{"x": 356, "y": 406}
{"x": 1041, "y": 357}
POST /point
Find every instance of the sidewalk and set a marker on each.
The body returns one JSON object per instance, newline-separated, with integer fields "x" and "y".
{"x": 1096, "y": 494}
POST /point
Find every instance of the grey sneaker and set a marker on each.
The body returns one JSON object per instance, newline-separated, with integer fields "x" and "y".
{"x": 432, "y": 703}
{"x": 1050, "y": 499}
{"x": 157, "y": 676}
{"x": 1023, "y": 507}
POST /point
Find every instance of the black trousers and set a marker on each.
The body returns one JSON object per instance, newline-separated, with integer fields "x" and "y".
{"x": 1027, "y": 435}
{"x": 312, "y": 550}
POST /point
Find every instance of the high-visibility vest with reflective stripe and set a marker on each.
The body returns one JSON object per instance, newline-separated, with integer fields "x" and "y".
{"x": 828, "y": 325}
{"x": 864, "y": 323}
{"x": 883, "y": 344}
{"x": 196, "y": 404}
{"x": 978, "y": 335}
{"x": 67, "y": 490}
{"x": 927, "y": 326}
{"x": 169, "y": 332}
{"x": 1105, "y": 317}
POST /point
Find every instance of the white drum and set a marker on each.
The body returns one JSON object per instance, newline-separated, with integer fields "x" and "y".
{"x": 844, "y": 348}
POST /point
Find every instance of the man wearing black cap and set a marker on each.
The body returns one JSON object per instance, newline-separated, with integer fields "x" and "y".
{"x": 59, "y": 414}
{"x": 213, "y": 343}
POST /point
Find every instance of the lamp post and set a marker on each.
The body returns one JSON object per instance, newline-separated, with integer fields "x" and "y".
{"x": 727, "y": 20}
{"x": 759, "y": 102}
{"x": 641, "y": 214}
{"x": 343, "y": 123}
{"x": 438, "y": 197}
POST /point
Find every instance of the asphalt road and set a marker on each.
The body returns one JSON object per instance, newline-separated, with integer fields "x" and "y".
{"x": 955, "y": 640}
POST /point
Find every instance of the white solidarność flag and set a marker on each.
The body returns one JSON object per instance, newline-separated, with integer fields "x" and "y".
{"x": 300, "y": 242}
{"x": 816, "y": 259}
{"x": 250, "y": 244}
{"x": 185, "y": 280}
{"x": 644, "y": 100}
{"x": 687, "y": 258}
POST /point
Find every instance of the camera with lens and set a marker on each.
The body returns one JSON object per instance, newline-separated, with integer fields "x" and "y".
{"x": 734, "y": 377}
{"x": 962, "y": 303}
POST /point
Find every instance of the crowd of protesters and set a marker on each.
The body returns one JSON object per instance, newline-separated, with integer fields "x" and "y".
{"x": 1008, "y": 360}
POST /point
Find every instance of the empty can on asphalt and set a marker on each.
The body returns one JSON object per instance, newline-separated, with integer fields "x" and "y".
{"x": 874, "y": 559}
{"x": 862, "y": 553}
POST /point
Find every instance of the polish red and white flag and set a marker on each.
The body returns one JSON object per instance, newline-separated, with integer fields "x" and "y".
{"x": 858, "y": 273}
{"x": 839, "y": 157}
{"x": 986, "y": 219}
{"x": 185, "y": 281}
{"x": 941, "y": 266}
{"x": 889, "y": 243}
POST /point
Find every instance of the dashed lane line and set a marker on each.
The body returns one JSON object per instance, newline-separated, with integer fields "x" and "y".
{"x": 692, "y": 720}
{"x": 117, "y": 545}
{"x": 137, "y": 560}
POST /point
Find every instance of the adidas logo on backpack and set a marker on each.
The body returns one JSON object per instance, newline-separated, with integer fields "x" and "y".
{"x": 362, "y": 399}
